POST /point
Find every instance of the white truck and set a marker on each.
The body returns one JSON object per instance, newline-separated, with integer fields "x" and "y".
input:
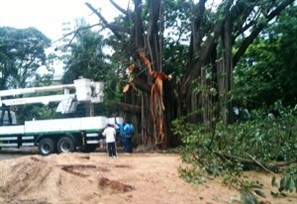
{"x": 54, "y": 135}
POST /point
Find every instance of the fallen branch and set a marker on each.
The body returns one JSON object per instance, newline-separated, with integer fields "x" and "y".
{"x": 284, "y": 164}
{"x": 252, "y": 162}
{"x": 259, "y": 164}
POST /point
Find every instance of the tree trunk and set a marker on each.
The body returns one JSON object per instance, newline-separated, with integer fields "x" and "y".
{"x": 202, "y": 95}
{"x": 224, "y": 73}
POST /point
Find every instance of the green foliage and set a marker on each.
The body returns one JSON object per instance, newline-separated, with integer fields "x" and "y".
{"x": 22, "y": 52}
{"x": 216, "y": 149}
{"x": 287, "y": 183}
{"x": 248, "y": 198}
{"x": 39, "y": 112}
{"x": 267, "y": 72}
{"x": 178, "y": 33}
{"x": 87, "y": 58}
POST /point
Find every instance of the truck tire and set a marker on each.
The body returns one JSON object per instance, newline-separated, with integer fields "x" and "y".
{"x": 65, "y": 144}
{"x": 46, "y": 146}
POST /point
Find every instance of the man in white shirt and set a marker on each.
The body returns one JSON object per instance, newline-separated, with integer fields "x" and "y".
{"x": 110, "y": 134}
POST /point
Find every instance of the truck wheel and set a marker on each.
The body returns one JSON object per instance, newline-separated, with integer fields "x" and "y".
{"x": 46, "y": 146}
{"x": 65, "y": 144}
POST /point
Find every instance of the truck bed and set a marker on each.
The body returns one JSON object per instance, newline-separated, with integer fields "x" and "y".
{"x": 56, "y": 125}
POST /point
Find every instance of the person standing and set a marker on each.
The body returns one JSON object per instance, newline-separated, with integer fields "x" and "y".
{"x": 128, "y": 131}
{"x": 110, "y": 134}
{"x": 122, "y": 133}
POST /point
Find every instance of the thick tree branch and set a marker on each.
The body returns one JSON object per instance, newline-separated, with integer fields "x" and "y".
{"x": 287, "y": 163}
{"x": 196, "y": 26}
{"x": 253, "y": 162}
{"x": 200, "y": 13}
{"x": 259, "y": 164}
{"x": 207, "y": 48}
{"x": 209, "y": 44}
{"x": 75, "y": 32}
{"x": 105, "y": 22}
{"x": 152, "y": 34}
{"x": 119, "y": 8}
{"x": 239, "y": 8}
{"x": 125, "y": 107}
{"x": 243, "y": 9}
{"x": 247, "y": 41}
{"x": 248, "y": 25}
{"x": 138, "y": 83}
{"x": 137, "y": 31}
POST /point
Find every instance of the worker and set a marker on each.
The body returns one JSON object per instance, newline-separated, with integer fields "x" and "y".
{"x": 110, "y": 134}
{"x": 122, "y": 133}
{"x": 128, "y": 132}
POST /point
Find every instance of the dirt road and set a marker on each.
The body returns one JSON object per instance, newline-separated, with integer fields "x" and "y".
{"x": 13, "y": 153}
{"x": 95, "y": 178}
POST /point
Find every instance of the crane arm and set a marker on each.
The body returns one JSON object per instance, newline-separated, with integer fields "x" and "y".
{"x": 39, "y": 99}
{"x": 14, "y": 92}
{"x": 85, "y": 90}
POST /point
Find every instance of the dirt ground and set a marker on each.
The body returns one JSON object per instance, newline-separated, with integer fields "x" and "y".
{"x": 96, "y": 178}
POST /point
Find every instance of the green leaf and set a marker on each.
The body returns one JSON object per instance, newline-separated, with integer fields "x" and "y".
{"x": 273, "y": 182}
{"x": 248, "y": 198}
{"x": 260, "y": 193}
{"x": 283, "y": 182}
{"x": 291, "y": 184}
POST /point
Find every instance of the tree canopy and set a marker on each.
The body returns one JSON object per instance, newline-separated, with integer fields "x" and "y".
{"x": 22, "y": 52}
{"x": 270, "y": 66}
{"x": 199, "y": 43}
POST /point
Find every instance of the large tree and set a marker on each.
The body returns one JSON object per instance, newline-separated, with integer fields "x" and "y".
{"x": 200, "y": 91}
{"x": 270, "y": 64}
{"x": 88, "y": 60}
{"x": 22, "y": 52}
{"x": 214, "y": 54}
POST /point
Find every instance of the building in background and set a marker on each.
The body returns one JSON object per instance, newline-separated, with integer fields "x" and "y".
{"x": 62, "y": 46}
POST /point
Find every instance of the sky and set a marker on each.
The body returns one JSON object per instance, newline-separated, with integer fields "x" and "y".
{"x": 47, "y": 15}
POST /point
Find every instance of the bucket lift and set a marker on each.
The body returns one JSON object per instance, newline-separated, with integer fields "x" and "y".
{"x": 82, "y": 90}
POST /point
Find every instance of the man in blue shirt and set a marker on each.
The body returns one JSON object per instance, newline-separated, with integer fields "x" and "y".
{"x": 126, "y": 134}
{"x": 128, "y": 131}
{"x": 122, "y": 132}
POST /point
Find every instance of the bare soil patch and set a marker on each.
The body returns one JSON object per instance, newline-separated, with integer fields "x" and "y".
{"x": 115, "y": 186}
{"x": 96, "y": 178}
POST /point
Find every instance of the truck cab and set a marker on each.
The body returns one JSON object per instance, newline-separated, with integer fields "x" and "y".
{"x": 7, "y": 118}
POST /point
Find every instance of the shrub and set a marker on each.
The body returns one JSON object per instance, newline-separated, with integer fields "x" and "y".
{"x": 265, "y": 141}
